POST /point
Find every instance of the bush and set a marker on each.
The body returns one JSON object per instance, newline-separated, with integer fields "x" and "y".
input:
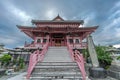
{"x": 118, "y": 58}
{"x": 104, "y": 57}
{"x": 5, "y": 59}
{"x": 21, "y": 63}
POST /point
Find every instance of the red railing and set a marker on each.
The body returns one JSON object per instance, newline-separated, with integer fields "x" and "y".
{"x": 34, "y": 45}
{"x": 44, "y": 50}
{"x": 76, "y": 56}
{"x": 70, "y": 51}
{"x": 80, "y": 61}
{"x": 35, "y": 57}
{"x": 32, "y": 62}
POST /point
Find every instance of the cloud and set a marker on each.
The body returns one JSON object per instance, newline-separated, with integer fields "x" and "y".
{"x": 117, "y": 32}
{"x": 9, "y": 40}
{"x": 116, "y": 45}
{"x": 89, "y": 18}
{"x": 14, "y": 40}
{"x": 110, "y": 31}
{"x": 106, "y": 14}
{"x": 17, "y": 13}
{"x": 50, "y": 14}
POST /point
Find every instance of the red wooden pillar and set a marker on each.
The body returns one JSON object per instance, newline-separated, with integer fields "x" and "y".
{"x": 73, "y": 41}
{"x": 80, "y": 41}
{"x": 50, "y": 39}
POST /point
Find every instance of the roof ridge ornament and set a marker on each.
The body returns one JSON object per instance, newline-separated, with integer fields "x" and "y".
{"x": 58, "y": 18}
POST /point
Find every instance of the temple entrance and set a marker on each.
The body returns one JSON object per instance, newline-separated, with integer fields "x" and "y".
{"x": 58, "y": 42}
{"x": 58, "y": 39}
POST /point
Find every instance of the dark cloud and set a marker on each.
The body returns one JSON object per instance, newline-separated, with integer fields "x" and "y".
{"x": 94, "y": 12}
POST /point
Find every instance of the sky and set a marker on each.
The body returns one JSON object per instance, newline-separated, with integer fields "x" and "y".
{"x": 104, "y": 13}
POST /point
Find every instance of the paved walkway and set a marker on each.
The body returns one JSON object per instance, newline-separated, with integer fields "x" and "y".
{"x": 18, "y": 77}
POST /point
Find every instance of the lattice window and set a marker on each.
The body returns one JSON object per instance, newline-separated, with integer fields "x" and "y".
{"x": 44, "y": 40}
{"x": 77, "y": 41}
{"x": 70, "y": 41}
{"x": 39, "y": 41}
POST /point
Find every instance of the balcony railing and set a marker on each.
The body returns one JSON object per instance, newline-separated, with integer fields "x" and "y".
{"x": 79, "y": 45}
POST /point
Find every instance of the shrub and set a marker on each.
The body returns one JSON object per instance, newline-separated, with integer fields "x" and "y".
{"x": 118, "y": 58}
{"x": 104, "y": 57}
{"x": 5, "y": 59}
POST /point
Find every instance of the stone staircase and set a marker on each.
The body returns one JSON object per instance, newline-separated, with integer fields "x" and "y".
{"x": 57, "y": 65}
{"x": 57, "y": 54}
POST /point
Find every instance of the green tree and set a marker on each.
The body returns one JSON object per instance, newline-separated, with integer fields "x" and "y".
{"x": 103, "y": 56}
{"x": 21, "y": 63}
{"x": 5, "y": 59}
{"x": 118, "y": 58}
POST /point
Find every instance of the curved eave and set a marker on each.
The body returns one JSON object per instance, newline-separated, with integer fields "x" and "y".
{"x": 28, "y": 31}
{"x": 89, "y": 28}
{"x": 21, "y": 27}
{"x": 93, "y": 27}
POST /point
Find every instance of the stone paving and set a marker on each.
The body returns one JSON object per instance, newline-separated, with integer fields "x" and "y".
{"x": 19, "y": 76}
{"x": 108, "y": 78}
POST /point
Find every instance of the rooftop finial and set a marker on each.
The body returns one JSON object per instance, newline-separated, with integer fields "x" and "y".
{"x": 58, "y": 18}
{"x": 58, "y": 14}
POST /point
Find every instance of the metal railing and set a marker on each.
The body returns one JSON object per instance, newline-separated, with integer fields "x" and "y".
{"x": 32, "y": 62}
{"x": 78, "y": 58}
{"x": 35, "y": 57}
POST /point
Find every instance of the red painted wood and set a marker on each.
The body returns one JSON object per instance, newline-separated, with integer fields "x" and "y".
{"x": 35, "y": 57}
{"x": 78, "y": 58}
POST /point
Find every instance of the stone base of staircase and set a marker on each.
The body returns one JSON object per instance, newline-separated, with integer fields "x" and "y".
{"x": 56, "y": 71}
{"x": 57, "y": 65}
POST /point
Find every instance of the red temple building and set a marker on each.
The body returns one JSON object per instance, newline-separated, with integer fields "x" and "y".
{"x": 56, "y": 44}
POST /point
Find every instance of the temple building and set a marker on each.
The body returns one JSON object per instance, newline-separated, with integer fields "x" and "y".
{"x": 59, "y": 32}
{"x": 55, "y": 49}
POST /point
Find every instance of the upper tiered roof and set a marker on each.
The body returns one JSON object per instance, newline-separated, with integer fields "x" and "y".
{"x": 57, "y": 25}
{"x": 58, "y": 19}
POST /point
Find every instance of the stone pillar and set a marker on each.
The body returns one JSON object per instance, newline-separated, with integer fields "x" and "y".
{"x": 92, "y": 52}
{"x": 95, "y": 71}
{"x": 114, "y": 70}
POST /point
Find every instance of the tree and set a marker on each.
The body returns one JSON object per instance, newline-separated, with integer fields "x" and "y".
{"x": 118, "y": 58}
{"x": 104, "y": 57}
{"x": 5, "y": 59}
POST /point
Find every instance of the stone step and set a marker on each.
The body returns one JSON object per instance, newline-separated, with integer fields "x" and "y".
{"x": 56, "y": 77}
{"x": 57, "y": 54}
{"x": 56, "y": 63}
{"x": 58, "y": 47}
{"x": 56, "y": 74}
{"x": 55, "y": 69}
{"x": 53, "y": 79}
